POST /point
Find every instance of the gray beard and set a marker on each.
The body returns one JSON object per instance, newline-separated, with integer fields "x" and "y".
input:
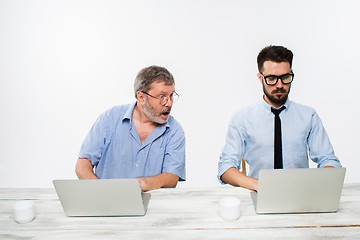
{"x": 151, "y": 115}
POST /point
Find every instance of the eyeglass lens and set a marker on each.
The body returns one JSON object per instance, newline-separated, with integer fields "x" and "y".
{"x": 173, "y": 98}
{"x": 272, "y": 80}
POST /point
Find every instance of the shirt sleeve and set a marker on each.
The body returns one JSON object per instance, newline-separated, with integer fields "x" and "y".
{"x": 233, "y": 150}
{"x": 320, "y": 148}
{"x": 174, "y": 159}
{"x": 94, "y": 143}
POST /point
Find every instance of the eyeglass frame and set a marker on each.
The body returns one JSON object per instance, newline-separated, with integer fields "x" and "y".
{"x": 171, "y": 97}
{"x": 278, "y": 77}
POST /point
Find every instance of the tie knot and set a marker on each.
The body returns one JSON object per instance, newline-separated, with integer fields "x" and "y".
{"x": 277, "y": 111}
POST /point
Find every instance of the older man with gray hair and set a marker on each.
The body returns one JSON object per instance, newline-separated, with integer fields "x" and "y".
{"x": 139, "y": 140}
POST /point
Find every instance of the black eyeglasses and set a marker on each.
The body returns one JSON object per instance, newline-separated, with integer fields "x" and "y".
{"x": 273, "y": 79}
{"x": 163, "y": 99}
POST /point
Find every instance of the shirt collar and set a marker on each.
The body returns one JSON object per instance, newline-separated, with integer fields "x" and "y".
{"x": 129, "y": 111}
{"x": 267, "y": 107}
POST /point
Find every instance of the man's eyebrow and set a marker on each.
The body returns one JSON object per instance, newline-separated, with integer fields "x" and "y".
{"x": 162, "y": 93}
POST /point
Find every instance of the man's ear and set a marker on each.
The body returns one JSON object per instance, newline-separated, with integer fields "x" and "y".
{"x": 140, "y": 97}
{"x": 259, "y": 77}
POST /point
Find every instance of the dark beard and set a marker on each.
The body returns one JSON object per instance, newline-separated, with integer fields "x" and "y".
{"x": 274, "y": 99}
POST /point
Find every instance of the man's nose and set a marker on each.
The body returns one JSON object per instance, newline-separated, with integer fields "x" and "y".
{"x": 279, "y": 83}
{"x": 169, "y": 103}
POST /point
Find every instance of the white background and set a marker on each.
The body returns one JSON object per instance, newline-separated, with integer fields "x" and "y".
{"x": 62, "y": 63}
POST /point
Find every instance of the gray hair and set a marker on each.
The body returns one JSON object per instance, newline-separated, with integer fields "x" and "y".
{"x": 151, "y": 74}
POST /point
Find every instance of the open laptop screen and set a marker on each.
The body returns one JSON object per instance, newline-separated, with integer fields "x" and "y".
{"x": 102, "y": 197}
{"x": 299, "y": 190}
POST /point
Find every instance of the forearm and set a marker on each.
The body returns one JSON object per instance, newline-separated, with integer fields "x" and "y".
{"x": 84, "y": 169}
{"x": 163, "y": 180}
{"x": 234, "y": 177}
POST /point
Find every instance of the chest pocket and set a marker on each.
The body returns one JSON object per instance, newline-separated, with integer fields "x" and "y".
{"x": 152, "y": 157}
{"x": 297, "y": 147}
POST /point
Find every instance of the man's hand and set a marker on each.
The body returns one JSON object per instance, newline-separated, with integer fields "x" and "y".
{"x": 163, "y": 180}
{"x": 236, "y": 178}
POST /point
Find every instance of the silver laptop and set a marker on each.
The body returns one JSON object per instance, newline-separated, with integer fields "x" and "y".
{"x": 102, "y": 197}
{"x": 301, "y": 190}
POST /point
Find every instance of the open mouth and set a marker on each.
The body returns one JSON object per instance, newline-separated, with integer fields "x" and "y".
{"x": 165, "y": 113}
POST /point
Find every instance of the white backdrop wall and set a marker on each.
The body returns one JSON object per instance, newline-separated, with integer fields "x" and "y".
{"x": 62, "y": 63}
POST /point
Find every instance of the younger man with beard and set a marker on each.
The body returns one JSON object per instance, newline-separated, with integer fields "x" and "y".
{"x": 252, "y": 132}
{"x": 139, "y": 140}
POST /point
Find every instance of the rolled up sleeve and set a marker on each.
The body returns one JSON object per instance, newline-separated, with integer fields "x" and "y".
{"x": 320, "y": 148}
{"x": 174, "y": 159}
{"x": 94, "y": 143}
{"x": 232, "y": 151}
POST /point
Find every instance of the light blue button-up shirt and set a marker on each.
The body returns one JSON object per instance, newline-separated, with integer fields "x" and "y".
{"x": 251, "y": 136}
{"x": 113, "y": 146}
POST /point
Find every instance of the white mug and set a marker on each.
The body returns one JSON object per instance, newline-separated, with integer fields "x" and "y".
{"x": 23, "y": 211}
{"x": 229, "y": 208}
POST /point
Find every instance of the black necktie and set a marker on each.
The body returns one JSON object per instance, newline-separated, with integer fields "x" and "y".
{"x": 278, "y": 162}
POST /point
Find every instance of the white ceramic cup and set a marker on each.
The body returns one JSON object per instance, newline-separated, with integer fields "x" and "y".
{"x": 23, "y": 211}
{"x": 229, "y": 208}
